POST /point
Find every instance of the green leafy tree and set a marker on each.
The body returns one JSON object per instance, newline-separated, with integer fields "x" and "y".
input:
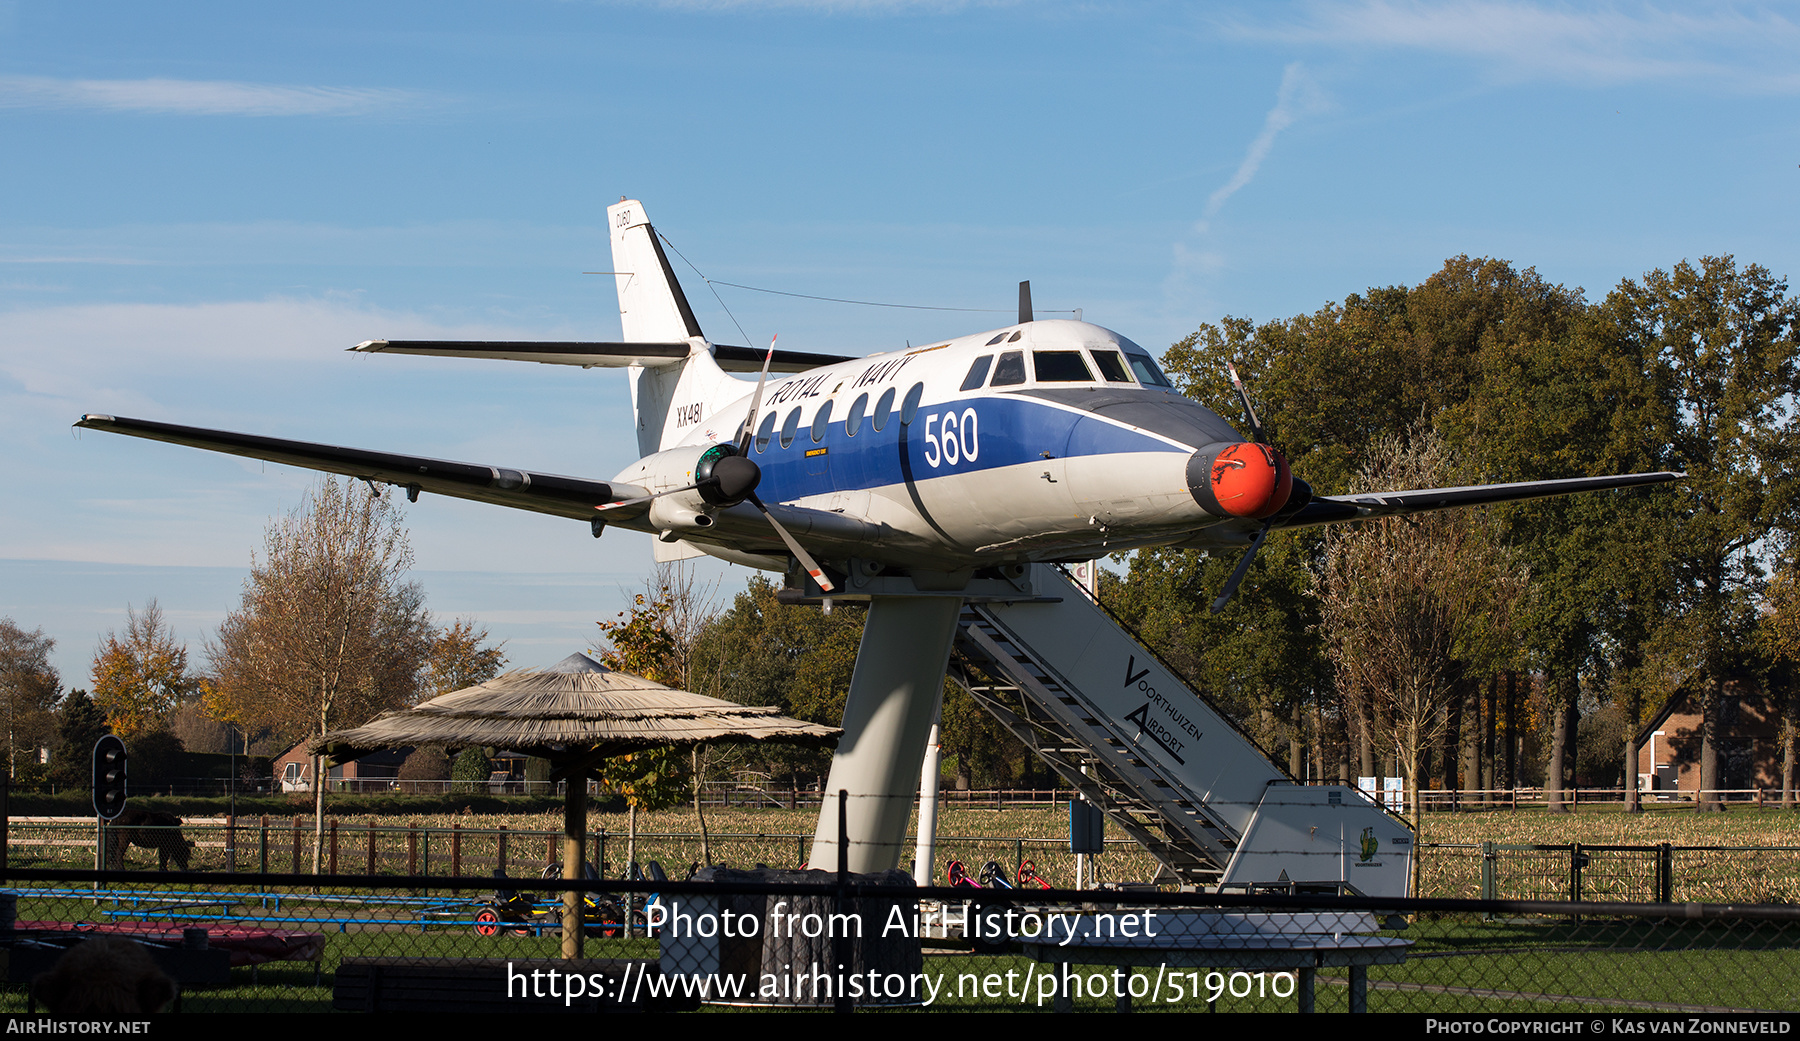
{"x": 1722, "y": 345}
{"x": 79, "y": 723}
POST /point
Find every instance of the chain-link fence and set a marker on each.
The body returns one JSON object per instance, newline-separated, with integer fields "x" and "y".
{"x": 252, "y": 942}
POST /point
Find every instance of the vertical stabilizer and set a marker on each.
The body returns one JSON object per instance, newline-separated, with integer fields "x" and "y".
{"x": 652, "y": 307}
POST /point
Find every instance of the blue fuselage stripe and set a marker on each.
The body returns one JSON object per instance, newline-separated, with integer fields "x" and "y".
{"x": 1004, "y": 431}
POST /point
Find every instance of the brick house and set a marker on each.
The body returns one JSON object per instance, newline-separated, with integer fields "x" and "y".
{"x": 1749, "y": 745}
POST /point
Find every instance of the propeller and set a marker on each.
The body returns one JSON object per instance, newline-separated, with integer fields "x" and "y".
{"x": 1262, "y": 534}
{"x": 725, "y": 476}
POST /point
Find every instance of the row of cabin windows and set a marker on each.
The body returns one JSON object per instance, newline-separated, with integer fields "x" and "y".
{"x": 1068, "y": 366}
{"x": 1062, "y": 367}
{"x": 853, "y": 420}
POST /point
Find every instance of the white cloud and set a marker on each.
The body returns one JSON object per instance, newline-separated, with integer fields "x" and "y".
{"x": 1295, "y": 98}
{"x": 200, "y": 97}
{"x": 1733, "y": 47}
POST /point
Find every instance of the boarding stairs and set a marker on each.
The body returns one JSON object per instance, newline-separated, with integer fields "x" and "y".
{"x": 1065, "y": 678}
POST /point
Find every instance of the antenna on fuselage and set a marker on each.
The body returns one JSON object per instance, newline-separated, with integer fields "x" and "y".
{"x": 1024, "y": 302}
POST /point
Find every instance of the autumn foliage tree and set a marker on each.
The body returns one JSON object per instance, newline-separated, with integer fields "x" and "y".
{"x": 329, "y": 632}
{"x": 643, "y": 642}
{"x": 141, "y": 677}
{"x": 459, "y": 658}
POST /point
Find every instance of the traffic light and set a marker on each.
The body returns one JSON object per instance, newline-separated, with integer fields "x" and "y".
{"x": 109, "y": 777}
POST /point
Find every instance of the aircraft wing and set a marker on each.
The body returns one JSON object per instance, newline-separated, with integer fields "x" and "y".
{"x": 1332, "y": 509}
{"x": 520, "y": 489}
{"x": 596, "y": 355}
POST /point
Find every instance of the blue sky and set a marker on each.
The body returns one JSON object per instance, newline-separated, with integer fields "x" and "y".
{"x": 207, "y": 202}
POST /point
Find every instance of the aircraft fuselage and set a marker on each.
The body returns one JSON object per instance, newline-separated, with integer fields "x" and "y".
{"x": 1049, "y": 440}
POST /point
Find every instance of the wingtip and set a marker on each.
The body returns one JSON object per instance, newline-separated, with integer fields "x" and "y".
{"x": 92, "y": 418}
{"x": 369, "y": 345}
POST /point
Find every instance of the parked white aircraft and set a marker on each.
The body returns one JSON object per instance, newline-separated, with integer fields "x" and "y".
{"x": 909, "y": 477}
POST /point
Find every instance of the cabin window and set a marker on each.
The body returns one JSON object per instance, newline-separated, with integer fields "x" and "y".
{"x": 788, "y": 426}
{"x": 821, "y": 422}
{"x": 882, "y": 408}
{"x": 1009, "y": 371}
{"x": 853, "y": 421}
{"x": 1147, "y": 372}
{"x": 765, "y": 433}
{"x": 977, "y": 373}
{"x": 1060, "y": 367}
{"x": 1112, "y": 366}
{"x": 910, "y": 406}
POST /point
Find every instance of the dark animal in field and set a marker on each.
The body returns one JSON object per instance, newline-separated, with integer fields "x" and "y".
{"x": 149, "y": 829}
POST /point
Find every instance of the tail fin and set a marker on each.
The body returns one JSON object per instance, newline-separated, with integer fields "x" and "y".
{"x": 652, "y": 307}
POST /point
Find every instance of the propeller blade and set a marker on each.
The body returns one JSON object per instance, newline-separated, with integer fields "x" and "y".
{"x": 806, "y": 561}
{"x": 1243, "y": 568}
{"x": 1256, "y": 430}
{"x": 756, "y": 401}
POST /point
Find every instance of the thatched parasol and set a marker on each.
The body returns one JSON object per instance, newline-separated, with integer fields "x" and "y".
{"x": 575, "y": 713}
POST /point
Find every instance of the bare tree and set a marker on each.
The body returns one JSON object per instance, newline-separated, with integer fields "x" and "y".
{"x": 1412, "y": 606}
{"x": 29, "y": 687}
{"x": 329, "y": 632}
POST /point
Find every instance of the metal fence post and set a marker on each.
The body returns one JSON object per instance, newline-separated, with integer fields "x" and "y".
{"x": 1665, "y": 874}
{"x": 1489, "y": 885}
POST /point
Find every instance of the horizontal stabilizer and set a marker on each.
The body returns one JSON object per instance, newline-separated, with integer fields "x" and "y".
{"x": 611, "y": 355}
{"x": 521, "y": 489}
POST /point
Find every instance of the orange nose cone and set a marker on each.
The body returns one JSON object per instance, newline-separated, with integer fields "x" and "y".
{"x": 1251, "y": 480}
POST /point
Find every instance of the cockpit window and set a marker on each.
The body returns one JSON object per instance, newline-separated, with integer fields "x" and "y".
{"x": 1009, "y": 371}
{"x": 1060, "y": 367}
{"x": 1112, "y": 366}
{"x": 977, "y": 373}
{"x": 997, "y": 338}
{"x": 1147, "y": 372}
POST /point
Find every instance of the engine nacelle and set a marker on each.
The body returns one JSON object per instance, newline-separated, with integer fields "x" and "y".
{"x": 689, "y": 484}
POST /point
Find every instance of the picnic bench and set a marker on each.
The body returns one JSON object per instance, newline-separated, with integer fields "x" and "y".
{"x": 1302, "y": 943}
